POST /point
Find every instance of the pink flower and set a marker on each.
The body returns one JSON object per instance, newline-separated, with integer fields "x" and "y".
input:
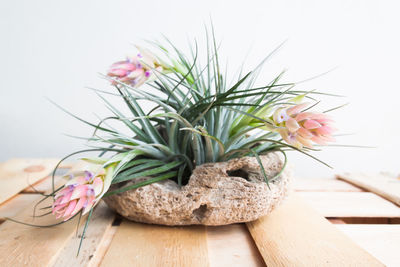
{"x": 80, "y": 193}
{"x": 300, "y": 128}
{"x": 136, "y": 70}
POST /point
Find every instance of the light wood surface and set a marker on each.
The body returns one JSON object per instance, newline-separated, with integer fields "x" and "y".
{"x": 382, "y": 241}
{"x": 323, "y": 185}
{"x": 17, "y": 174}
{"x": 43, "y": 185}
{"x": 16, "y": 204}
{"x": 295, "y": 235}
{"x": 232, "y": 245}
{"x": 136, "y": 244}
{"x": 351, "y": 204}
{"x": 102, "y": 247}
{"x": 384, "y": 185}
{"x": 22, "y": 245}
{"x": 100, "y": 223}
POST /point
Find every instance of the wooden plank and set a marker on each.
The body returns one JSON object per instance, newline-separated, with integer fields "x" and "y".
{"x": 384, "y": 185}
{"x": 137, "y": 244}
{"x": 100, "y": 224}
{"x": 33, "y": 246}
{"x": 17, "y": 174}
{"x": 232, "y": 245}
{"x": 350, "y": 204}
{"x": 382, "y": 241}
{"x": 102, "y": 247}
{"x": 43, "y": 185}
{"x": 323, "y": 185}
{"x": 16, "y": 204}
{"x": 295, "y": 235}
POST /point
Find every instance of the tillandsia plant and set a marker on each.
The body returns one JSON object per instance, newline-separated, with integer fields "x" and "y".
{"x": 199, "y": 115}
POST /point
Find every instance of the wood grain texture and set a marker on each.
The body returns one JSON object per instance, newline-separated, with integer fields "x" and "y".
{"x": 22, "y": 245}
{"x": 350, "y": 204}
{"x": 232, "y": 245}
{"x": 384, "y": 185}
{"x": 382, "y": 241}
{"x": 42, "y": 186}
{"x": 100, "y": 224}
{"x": 16, "y": 204}
{"x": 323, "y": 185}
{"x": 17, "y": 174}
{"x": 102, "y": 247}
{"x": 295, "y": 235}
{"x": 136, "y": 244}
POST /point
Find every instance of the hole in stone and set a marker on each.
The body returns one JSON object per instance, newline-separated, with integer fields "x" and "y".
{"x": 117, "y": 221}
{"x": 200, "y": 212}
{"x": 189, "y": 195}
{"x": 239, "y": 173}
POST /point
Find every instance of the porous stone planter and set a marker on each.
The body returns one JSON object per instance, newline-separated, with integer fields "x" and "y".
{"x": 217, "y": 194}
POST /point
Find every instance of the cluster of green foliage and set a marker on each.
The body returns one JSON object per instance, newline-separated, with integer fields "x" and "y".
{"x": 197, "y": 118}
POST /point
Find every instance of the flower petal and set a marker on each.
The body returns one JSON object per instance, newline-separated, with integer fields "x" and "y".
{"x": 292, "y": 125}
{"x": 79, "y": 205}
{"x": 304, "y": 141}
{"x": 296, "y": 109}
{"x": 70, "y": 209}
{"x": 97, "y": 185}
{"x": 311, "y": 124}
{"x": 79, "y": 191}
{"x": 280, "y": 115}
{"x": 304, "y": 133}
{"x": 325, "y": 130}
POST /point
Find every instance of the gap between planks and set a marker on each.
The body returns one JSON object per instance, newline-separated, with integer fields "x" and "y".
{"x": 295, "y": 235}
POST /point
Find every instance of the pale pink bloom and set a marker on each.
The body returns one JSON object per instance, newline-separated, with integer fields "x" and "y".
{"x": 80, "y": 193}
{"x": 300, "y": 128}
{"x": 136, "y": 70}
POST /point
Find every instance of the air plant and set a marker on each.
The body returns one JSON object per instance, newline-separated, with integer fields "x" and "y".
{"x": 199, "y": 115}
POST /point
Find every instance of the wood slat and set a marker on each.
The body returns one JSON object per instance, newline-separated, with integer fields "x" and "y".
{"x": 102, "y": 247}
{"x": 295, "y": 235}
{"x": 382, "y": 241}
{"x": 136, "y": 244}
{"x": 100, "y": 224}
{"x": 43, "y": 185}
{"x": 16, "y": 204}
{"x": 350, "y": 204}
{"x": 236, "y": 245}
{"x": 323, "y": 185}
{"x": 17, "y": 174}
{"x": 384, "y": 185}
{"x": 22, "y": 245}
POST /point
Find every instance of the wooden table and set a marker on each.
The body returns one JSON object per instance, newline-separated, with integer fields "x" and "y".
{"x": 326, "y": 222}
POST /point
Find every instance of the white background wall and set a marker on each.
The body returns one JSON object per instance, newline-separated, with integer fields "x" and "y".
{"x": 56, "y": 48}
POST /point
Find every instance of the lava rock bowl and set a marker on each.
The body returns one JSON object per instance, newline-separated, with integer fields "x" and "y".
{"x": 217, "y": 194}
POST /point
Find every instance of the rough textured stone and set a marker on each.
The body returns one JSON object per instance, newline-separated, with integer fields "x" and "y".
{"x": 217, "y": 194}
